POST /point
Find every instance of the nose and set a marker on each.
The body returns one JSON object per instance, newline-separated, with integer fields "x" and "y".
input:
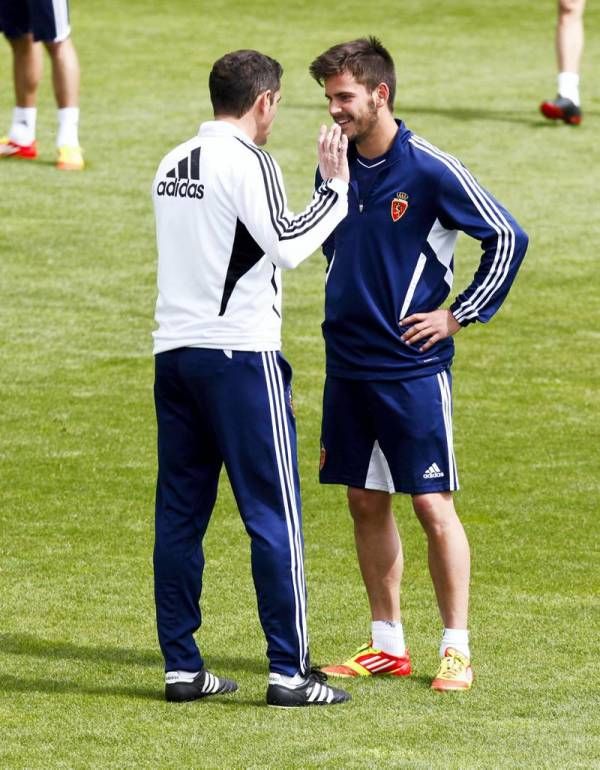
{"x": 334, "y": 109}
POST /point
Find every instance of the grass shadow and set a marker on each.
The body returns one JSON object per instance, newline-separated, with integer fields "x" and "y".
{"x": 28, "y": 645}
{"x": 530, "y": 118}
{"x": 14, "y": 684}
{"x": 33, "y": 646}
{"x": 467, "y": 114}
{"x": 422, "y": 680}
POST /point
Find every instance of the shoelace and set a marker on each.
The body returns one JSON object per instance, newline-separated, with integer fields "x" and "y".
{"x": 452, "y": 666}
{"x": 316, "y": 675}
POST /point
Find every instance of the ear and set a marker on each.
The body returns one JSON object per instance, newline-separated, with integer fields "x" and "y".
{"x": 264, "y": 101}
{"x": 382, "y": 95}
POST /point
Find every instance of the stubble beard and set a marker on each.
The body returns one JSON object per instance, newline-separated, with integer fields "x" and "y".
{"x": 366, "y": 123}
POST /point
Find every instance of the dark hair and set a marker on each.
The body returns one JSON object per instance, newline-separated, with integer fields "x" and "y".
{"x": 237, "y": 78}
{"x": 365, "y": 58}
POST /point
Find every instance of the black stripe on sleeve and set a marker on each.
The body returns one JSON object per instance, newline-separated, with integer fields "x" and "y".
{"x": 286, "y": 229}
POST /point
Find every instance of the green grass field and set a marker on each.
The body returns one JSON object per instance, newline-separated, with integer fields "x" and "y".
{"x": 80, "y": 673}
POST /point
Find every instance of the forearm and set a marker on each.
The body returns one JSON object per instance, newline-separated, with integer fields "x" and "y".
{"x": 307, "y": 231}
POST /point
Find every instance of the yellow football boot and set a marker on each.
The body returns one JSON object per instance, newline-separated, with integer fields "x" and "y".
{"x": 455, "y": 672}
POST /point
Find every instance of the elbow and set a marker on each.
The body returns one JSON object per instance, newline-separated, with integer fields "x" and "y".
{"x": 521, "y": 242}
{"x": 286, "y": 260}
{"x": 288, "y": 255}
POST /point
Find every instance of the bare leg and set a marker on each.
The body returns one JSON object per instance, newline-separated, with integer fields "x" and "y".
{"x": 569, "y": 35}
{"x": 379, "y": 550}
{"x": 569, "y": 48}
{"x": 27, "y": 69}
{"x": 65, "y": 73}
{"x": 448, "y": 553}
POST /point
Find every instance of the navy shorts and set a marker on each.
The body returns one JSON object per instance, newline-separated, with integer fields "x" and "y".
{"x": 48, "y": 20}
{"x": 389, "y": 435}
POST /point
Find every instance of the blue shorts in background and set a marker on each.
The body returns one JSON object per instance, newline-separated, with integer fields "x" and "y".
{"x": 47, "y": 20}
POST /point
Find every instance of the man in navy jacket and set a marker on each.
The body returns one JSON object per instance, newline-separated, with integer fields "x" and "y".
{"x": 387, "y": 407}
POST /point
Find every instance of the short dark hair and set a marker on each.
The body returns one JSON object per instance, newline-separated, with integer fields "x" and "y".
{"x": 237, "y": 78}
{"x": 365, "y": 58}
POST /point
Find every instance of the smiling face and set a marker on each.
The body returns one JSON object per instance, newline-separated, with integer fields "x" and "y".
{"x": 352, "y": 106}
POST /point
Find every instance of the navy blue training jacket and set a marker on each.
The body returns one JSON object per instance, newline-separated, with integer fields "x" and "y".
{"x": 393, "y": 255}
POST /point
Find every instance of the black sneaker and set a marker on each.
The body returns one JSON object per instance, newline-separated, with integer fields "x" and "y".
{"x": 311, "y": 692}
{"x": 201, "y": 686}
{"x": 562, "y": 109}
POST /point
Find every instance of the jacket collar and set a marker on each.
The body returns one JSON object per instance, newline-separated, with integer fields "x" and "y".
{"x": 402, "y": 136}
{"x": 223, "y": 128}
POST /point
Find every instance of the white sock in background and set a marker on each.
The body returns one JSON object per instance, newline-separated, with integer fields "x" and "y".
{"x": 22, "y": 130}
{"x": 68, "y": 127}
{"x": 458, "y": 639}
{"x": 568, "y": 86}
{"x": 388, "y": 635}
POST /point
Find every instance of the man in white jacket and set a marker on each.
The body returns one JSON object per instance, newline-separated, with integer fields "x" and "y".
{"x": 222, "y": 388}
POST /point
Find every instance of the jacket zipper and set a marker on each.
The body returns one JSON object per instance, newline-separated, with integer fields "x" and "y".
{"x": 361, "y": 201}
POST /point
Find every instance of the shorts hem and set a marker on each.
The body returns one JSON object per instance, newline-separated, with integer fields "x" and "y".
{"x": 340, "y": 482}
{"x": 429, "y": 490}
{"x": 414, "y": 491}
{"x": 379, "y": 488}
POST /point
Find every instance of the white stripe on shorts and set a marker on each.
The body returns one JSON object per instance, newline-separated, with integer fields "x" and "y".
{"x": 379, "y": 476}
{"x": 446, "y": 394}
{"x": 61, "y": 20}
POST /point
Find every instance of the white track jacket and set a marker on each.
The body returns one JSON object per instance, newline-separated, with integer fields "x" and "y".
{"x": 223, "y": 231}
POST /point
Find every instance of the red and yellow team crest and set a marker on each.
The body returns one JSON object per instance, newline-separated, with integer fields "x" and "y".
{"x": 399, "y": 206}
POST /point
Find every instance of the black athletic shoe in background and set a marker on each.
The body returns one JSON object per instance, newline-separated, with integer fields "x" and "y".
{"x": 562, "y": 109}
{"x": 313, "y": 691}
{"x": 203, "y": 685}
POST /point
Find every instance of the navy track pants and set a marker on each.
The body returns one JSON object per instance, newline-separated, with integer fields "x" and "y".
{"x": 211, "y": 410}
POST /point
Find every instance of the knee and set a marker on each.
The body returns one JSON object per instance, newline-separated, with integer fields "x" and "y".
{"x": 571, "y": 8}
{"x": 366, "y": 504}
{"x": 435, "y": 512}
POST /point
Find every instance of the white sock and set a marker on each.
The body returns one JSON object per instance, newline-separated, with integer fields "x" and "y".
{"x": 68, "y": 127}
{"x": 291, "y": 682}
{"x": 22, "y": 130}
{"x": 388, "y": 635}
{"x": 568, "y": 86}
{"x": 172, "y": 677}
{"x": 458, "y": 639}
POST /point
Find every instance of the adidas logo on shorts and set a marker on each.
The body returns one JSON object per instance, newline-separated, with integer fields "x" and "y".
{"x": 433, "y": 472}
